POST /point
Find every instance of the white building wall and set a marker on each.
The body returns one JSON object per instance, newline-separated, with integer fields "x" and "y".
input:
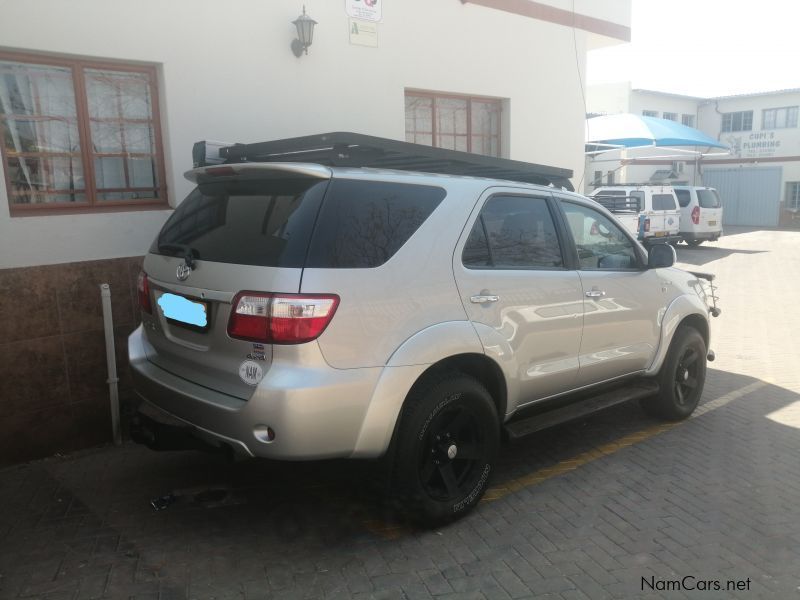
{"x": 645, "y": 100}
{"x": 608, "y": 98}
{"x": 226, "y": 72}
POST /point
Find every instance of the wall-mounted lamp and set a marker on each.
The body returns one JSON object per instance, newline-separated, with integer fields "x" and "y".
{"x": 305, "y": 33}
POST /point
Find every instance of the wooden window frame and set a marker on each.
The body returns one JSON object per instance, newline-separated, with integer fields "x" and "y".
{"x": 92, "y": 204}
{"x": 433, "y": 96}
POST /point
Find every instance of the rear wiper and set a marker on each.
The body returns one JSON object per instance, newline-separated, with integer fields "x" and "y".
{"x": 189, "y": 253}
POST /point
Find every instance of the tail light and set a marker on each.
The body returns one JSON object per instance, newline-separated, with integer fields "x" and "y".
{"x": 280, "y": 318}
{"x": 696, "y": 215}
{"x": 647, "y": 224}
{"x": 143, "y": 288}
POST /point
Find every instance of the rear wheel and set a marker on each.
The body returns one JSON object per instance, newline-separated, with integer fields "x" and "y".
{"x": 681, "y": 378}
{"x": 694, "y": 243}
{"x": 446, "y": 446}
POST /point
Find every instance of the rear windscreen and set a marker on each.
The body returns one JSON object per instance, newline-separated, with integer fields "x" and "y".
{"x": 263, "y": 223}
{"x": 663, "y": 202}
{"x": 708, "y": 199}
{"x": 363, "y": 223}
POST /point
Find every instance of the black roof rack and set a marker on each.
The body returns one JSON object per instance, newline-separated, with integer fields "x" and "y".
{"x": 345, "y": 149}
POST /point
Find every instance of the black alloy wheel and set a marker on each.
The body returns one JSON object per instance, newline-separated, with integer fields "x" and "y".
{"x": 452, "y": 452}
{"x": 444, "y": 448}
{"x": 681, "y": 378}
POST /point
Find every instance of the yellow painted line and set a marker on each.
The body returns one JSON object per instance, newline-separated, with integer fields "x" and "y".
{"x": 571, "y": 464}
{"x": 387, "y": 531}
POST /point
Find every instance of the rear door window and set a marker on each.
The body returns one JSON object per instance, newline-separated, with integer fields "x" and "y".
{"x": 247, "y": 222}
{"x": 684, "y": 197}
{"x": 708, "y": 199}
{"x": 513, "y": 232}
{"x": 362, "y": 224}
{"x": 663, "y": 202}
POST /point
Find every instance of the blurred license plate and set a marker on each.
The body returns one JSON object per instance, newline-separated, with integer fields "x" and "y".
{"x": 712, "y": 222}
{"x": 661, "y": 233}
{"x": 184, "y": 311}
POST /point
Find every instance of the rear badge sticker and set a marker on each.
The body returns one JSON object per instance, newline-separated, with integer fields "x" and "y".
{"x": 251, "y": 372}
{"x": 257, "y": 353}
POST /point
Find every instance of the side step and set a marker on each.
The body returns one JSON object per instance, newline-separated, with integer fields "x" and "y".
{"x": 576, "y": 410}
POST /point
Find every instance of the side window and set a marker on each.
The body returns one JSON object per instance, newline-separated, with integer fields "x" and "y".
{"x": 684, "y": 197}
{"x": 639, "y": 197}
{"x": 663, "y": 202}
{"x": 362, "y": 224}
{"x": 600, "y": 242}
{"x": 513, "y": 232}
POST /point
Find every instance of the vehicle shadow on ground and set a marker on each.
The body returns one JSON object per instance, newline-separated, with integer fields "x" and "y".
{"x": 296, "y": 517}
{"x": 326, "y": 501}
{"x": 703, "y": 254}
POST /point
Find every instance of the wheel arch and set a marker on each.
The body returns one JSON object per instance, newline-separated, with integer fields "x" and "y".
{"x": 684, "y": 310}
{"x": 398, "y": 383}
{"x": 476, "y": 365}
{"x": 696, "y": 321}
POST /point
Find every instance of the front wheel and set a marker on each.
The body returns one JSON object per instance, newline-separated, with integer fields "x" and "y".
{"x": 447, "y": 442}
{"x": 681, "y": 378}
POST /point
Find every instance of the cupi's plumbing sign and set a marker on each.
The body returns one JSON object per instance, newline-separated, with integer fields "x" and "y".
{"x": 366, "y": 10}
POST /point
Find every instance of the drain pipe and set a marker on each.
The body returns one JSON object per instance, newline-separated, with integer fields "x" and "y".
{"x": 111, "y": 360}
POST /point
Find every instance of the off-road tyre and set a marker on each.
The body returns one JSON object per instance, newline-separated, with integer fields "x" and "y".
{"x": 445, "y": 449}
{"x": 681, "y": 378}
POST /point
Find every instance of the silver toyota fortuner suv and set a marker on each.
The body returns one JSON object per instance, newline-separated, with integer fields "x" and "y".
{"x": 295, "y": 311}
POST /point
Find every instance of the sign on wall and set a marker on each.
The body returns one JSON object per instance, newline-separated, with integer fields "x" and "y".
{"x": 366, "y": 10}
{"x": 756, "y": 144}
{"x": 363, "y": 33}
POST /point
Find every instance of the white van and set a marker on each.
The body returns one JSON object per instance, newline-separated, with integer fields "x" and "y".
{"x": 650, "y": 212}
{"x": 701, "y": 214}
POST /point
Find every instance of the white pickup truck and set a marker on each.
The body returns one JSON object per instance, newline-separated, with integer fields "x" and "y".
{"x": 650, "y": 212}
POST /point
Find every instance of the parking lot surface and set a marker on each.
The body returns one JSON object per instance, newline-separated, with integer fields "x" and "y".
{"x": 612, "y": 506}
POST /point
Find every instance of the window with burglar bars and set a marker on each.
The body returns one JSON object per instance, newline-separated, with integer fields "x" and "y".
{"x": 737, "y": 121}
{"x": 793, "y": 195}
{"x": 687, "y": 120}
{"x": 671, "y": 116}
{"x": 779, "y": 118}
{"x": 79, "y": 135}
{"x": 650, "y": 113}
{"x": 463, "y": 123}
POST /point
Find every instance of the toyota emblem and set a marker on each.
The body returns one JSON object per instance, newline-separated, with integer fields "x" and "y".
{"x": 183, "y": 271}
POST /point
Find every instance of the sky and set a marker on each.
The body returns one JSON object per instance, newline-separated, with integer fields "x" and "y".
{"x": 706, "y": 47}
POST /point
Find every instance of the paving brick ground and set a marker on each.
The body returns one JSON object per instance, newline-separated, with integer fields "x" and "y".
{"x": 586, "y": 510}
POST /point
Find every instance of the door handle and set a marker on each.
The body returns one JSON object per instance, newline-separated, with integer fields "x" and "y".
{"x": 595, "y": 293}
{"x": 483, "y": 299}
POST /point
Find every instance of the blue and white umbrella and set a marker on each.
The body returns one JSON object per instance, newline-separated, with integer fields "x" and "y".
{"x": 635, "y": 131}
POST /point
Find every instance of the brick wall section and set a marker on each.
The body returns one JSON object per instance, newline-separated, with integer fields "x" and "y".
{"x": 53, "y": 391}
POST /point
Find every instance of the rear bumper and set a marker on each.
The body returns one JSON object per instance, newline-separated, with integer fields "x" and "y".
{"x": 314, "y": 410}
{"x": 666, "y": 239}
{"x": 701, "y": 235}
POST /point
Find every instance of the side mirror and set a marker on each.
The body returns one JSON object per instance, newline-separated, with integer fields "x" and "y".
{"x": 661, "y": 256}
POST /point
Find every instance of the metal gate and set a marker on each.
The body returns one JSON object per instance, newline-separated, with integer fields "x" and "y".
{"x": 750, "y": 196}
